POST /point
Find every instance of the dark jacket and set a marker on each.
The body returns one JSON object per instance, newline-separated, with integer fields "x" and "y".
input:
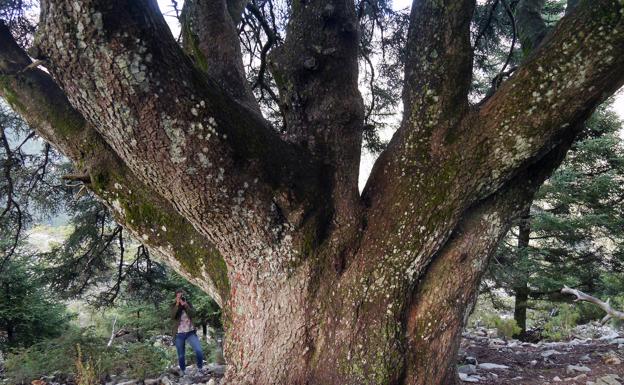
{"x": 176, "y": 313}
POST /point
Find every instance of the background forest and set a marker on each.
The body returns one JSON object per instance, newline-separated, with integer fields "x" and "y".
{"x": 81, "y": 297}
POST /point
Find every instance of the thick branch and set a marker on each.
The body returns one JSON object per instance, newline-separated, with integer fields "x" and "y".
{"x": 35, "y": 96}
{"x": 316, "y": 71}
{"x": 438, "y": 72}
{"x": 468, "y": 251}
{"x": 573, "y": 70}
{"x": 580, "y": 296}
{"x": 217, "y": 162}
{"x": 210, "y": 36}
{"x": 531, "y": 25}
{"x": 438, "y": 69}
{"x": 236, "y": 8}
{"x": 413, "y": 185}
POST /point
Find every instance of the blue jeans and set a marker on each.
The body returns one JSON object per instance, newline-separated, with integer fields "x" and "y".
{"x": 180, "y": 342}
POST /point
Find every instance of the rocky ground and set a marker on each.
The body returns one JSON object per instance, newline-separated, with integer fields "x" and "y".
{"x": 211, "y": 375}
{"x": 594, "y": 356}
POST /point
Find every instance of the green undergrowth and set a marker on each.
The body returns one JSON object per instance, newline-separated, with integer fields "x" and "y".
{"x": 83, "y": 356}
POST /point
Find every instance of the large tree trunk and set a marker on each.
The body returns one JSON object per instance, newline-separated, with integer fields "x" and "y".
{"x": 319, "y": 285}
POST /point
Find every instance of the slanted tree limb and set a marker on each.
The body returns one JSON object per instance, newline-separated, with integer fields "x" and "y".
{"x": 559, "y": 85}
{"x": 35, "y": 96}
{"x": 169, "y": 122}
{"x": 580, "y": 296}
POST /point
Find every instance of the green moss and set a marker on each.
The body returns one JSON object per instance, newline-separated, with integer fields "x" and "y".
{"x": 9, "y": 94}
{"x": 68, "y": 122}
{"x": 192, "y": 47}
{"x": 194, "y": 253}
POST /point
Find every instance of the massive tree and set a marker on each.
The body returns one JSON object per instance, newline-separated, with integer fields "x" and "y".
{"x": 319, "y": 284}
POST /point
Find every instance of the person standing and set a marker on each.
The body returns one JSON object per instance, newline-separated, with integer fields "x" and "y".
{"x": 182, "y": 315}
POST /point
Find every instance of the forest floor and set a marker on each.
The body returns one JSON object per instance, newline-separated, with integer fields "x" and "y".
{"x": 582, "y": 360}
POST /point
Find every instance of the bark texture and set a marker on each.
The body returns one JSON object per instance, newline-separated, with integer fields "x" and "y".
{"x": 320, "y": 285}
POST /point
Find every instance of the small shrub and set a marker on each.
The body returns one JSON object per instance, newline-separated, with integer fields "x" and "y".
{"x": 87, "y": 365}
{"x": 559, "y": 326}
{"x": 505, "y": 327}
{"x": 26, "y": 364}
{"x": 144, "y": 360}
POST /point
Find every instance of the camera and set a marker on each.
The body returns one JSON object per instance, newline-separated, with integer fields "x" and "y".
{"x": 183, "y": 298}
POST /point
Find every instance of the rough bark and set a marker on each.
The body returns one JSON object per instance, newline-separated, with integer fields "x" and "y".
{"x": 327, "y": 287}
{"x": 34, "y": 95}
{"x": 211, "y": 38}
{"x": 530, "y": 24}
{"x": 316, "y": 71}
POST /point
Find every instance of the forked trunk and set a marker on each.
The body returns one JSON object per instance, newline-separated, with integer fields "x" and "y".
{"x": 320, "y": 286}
{"x": 328, "y": 335}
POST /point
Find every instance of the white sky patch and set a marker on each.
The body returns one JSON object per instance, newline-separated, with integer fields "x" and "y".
{"x": 168, "y": 11}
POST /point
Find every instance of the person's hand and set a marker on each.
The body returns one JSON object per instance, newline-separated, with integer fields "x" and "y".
{"x": 183, "y": 303}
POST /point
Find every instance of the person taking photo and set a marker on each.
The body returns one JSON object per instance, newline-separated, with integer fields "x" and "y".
{"x": 182, "y": 318}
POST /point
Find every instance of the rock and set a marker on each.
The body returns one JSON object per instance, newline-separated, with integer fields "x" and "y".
{"x": 131, "y": 382}
{"x": 165, "y": 381}
{"x": 585, "y": 358}
{"x": 211, "y": 382}
{"x": 467, "y": 369}
{"x": 571, "y": 369}
{"x": 557, "y": 379}
{"x": 216, "y": 369}
{"x": 577, "y": 378}
{"x": 153, "y": 381}
{"x": 466, "y": 378}
{"x": 610, "y": 379}
{"x": 611, "y": 358}
{"x": 533, "y": 363}
{"x": 497, "y": 342}
{"x": 549, "y": 353}
{"x": 490, "y": 366}
{"x": 617, "y": 341}
{"x": 470, "y": 360}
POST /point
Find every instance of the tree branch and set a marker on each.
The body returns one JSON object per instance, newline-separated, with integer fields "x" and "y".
{"x": 474, "y": 240}
{"x": 562, "y": 82}
{"x": 531, "y": 26}
{"x": 580, "y": 296}
{"x": 439, "y": 65}
{"x": 210, "y": 36}
{"x": 316, "y": 71}
{"x": 236, "y": 8}
{"x": 218, "y": 162}
{"x": 413, "y": 185}
{"x": 35, "y": 96}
